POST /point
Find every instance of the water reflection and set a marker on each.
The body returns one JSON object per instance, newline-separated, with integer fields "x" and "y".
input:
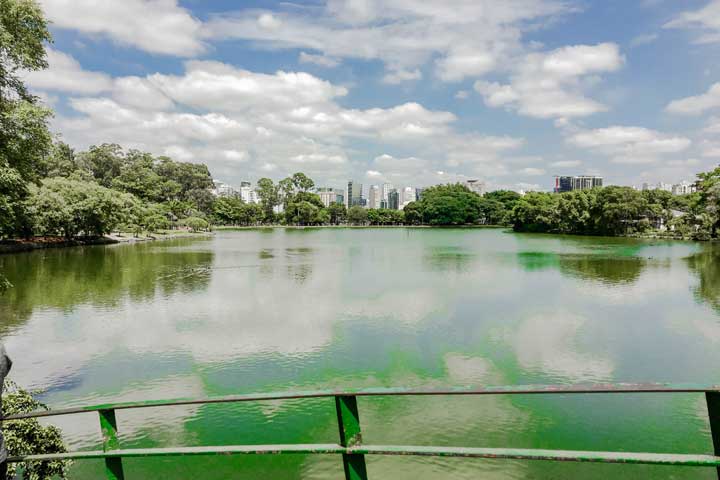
{"x": 706, "y": 266}
{"x": 448, "y": 259}
{"x": 100, "y": 276}
{"x": 611, "y": 270}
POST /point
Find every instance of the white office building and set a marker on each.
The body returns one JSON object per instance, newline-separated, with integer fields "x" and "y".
{"x": 248, "y": 194}
{"x": 374, "y": 197}
{"x": 475, "y": 185}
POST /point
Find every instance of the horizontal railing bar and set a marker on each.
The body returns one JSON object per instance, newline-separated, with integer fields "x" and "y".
{"x": 370, "y": 392}
{"x": 467, "y": 452}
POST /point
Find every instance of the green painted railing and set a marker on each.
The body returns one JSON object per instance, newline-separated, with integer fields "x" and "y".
{"x": 353, "y": 450}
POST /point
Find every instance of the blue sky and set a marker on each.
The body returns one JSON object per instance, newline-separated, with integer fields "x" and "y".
{"x": 410, "y": 92}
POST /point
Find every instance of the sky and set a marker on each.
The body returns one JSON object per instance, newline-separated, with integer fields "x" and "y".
{"x": 410, "y": 92}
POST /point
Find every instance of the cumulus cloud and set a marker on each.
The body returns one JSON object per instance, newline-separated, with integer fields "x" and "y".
{"x": 705, "y": 20}
{"x": 629, "y": 145}
{"x": 697, "y": 104}
{"x": 225, "y": 116}
{"x": 552, "y": 84}
{"x": 155, "y": 26}
{"x": 464, "y": 38}
{"x": 320, "y": 60}
{"x": 66, "y": 74}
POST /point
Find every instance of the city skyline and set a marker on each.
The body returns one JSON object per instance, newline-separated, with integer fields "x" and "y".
{"x": 508, "y": 92}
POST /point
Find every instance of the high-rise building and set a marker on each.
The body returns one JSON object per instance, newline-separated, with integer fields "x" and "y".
{"x": 330, "y": 195}
{"x": 221, "y": 189}
{"x": 475, "y": 185}
{"x": 582, "y": 182}
{"x": 394, "y": 199}
{"x": 418, "y": 193}
{"x": 386, "y": 187}
{"x": 683, "y": 188}
{"x": 248, "y": 194}
{"x": 374, "y": 196}
{"x": 408, "y": 195}
{"x": 353, "y": 194}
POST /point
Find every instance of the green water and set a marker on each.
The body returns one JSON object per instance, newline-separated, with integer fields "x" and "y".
{"x": 269, "y": 310}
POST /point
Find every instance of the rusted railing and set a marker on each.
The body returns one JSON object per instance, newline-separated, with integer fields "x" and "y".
{"x": 352, "y": 449}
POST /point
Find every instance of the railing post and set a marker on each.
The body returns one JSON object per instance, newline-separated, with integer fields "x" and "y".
{"x": 350, "y": 436}
{"x": 108, "y": 426}
{"x": 713, "y": 406}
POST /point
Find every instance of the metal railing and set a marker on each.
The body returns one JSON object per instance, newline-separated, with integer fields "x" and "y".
{"x": 353, "y": 450}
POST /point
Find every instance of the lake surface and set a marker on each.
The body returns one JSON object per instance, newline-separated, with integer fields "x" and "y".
{"x": 274, "y": 309}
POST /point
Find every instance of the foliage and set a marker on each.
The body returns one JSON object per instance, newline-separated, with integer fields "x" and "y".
{"x": 23, "y": 31}
{"x": 69, "y": 207}
{"x": 24, "y": 437}
{"x": 357, "y": 215}
{"x": 269, "y": 195}
{"x": 337, "y": 213}
{"x": 197, "y": 224}
{"x": 447, "y": 205}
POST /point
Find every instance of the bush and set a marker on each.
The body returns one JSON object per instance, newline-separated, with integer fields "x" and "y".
{"x": 196, "y": 224}
{"x": 25, "y": 437}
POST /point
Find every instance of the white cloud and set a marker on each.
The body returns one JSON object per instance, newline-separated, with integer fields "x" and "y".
{"x": 552, "y": 84}
{"x": 215, "y": 85}
{"x": 221, "y": 115}
{"x": 628, "y": 145}
{"x": 320, "y": 60}
{"x": 710, "y": 149}
{"x": 697, "y": 104}
{"x": 156, "y": 26}
{"x": 465, "y": 38}
{"x": 644, "y": 39}
{"x": 566, "y": 163}
{"x": 394, "y": 77}
{"x": 713, "y": 125}
{"x": 532, "y": 171}
{"x": 706, "y": 20}
{"x": 462, "y": 94}
{"x": 64, "y": 73}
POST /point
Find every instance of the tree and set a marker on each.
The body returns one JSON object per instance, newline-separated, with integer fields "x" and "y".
{"x": 337, "y": 212}
{"x": 269, "y": 197}
{"x": 104, "y": 162}
{"x": 197, "y": 224}
{"x": 25, "y": 437}
{"x": 69, "y": 207}
{"x": 227, "y": 210}
{"x": 709, "y": 189}
{"x": 450, "y": 205}
{"x": 138, "y": 176}
{"x": 357, "y": 215}
{"x": 61, "y": 162}
{"x": 535, "y": 212}
{"x": 413, "y": 212}
{"x": 302, "y": 182}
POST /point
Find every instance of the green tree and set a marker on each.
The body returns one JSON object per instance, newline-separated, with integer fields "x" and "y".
{"x": 69, "y": 207}
{"x": 61, "y": 162}
{"x": 197, "y": 224}
{"x": 337, "y": 212}
{"x": 709, "y": 190}
{"x": 25, "y": 437}
{"x": 450, "y": 205}
{"x": 357, "y": 215}
{"x": 138, "y": 176}
{"x": 535, "y": 212}
{"x": 269, "y": 197}
{"x": 227, "y": 210}
{"x": 103, "y": 162}
{"x": 414, "y": 213}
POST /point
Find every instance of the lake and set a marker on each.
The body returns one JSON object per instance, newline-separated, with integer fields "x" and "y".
{"x": 289, "y": 309}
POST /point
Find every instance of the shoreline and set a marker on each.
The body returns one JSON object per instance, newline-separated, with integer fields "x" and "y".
{"x": 19, "y": 246}
{"x": 303, "y": 227}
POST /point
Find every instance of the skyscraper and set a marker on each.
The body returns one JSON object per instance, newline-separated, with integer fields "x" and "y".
{"x": 386, "y": 187}
{"x": 582, "y": 182}
{"x": 374, "y": 197}
{"x": 394, "y": 199}
{"x": 354, "y": 194}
